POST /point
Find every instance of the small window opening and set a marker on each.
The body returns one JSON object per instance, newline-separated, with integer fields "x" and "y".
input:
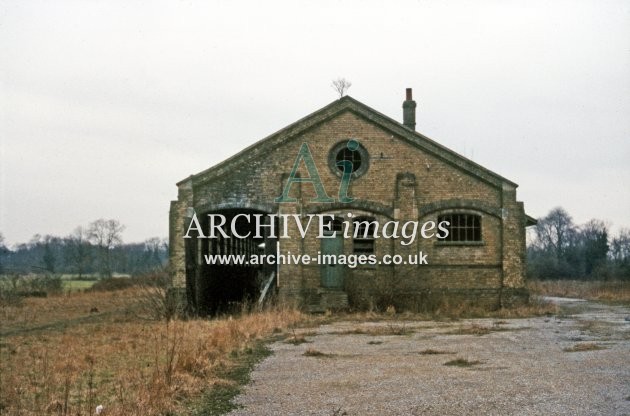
{"x": 363, "y": 241}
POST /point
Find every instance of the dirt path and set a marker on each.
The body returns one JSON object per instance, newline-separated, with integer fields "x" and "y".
{"x": 59, "y": 325}
{"x": 517, "y": 366}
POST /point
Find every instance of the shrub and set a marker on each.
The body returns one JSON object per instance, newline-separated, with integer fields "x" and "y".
{"x": 112, "y": 283}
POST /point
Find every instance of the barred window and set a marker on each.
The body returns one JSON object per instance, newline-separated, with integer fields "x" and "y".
{"x": 364, "y": 228}
{"x": 462, "y": 228}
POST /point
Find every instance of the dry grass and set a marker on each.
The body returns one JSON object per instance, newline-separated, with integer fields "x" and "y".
{"x": 533, "y": 308}
{"x": 390, "y": 329}
{"x": 453, "y": 311}
{"x": 587, "y": 346}
{"x": 76, "y": 360}
{"x": 473, "y": 329}
{"x": 297, "y": 338}
{"x": 479, "y": 330}
{"x": 614, "y": 291}
{"x": 37, "y": 312}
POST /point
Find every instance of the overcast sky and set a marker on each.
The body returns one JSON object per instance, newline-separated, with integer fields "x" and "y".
{"x": 106, "y": 105}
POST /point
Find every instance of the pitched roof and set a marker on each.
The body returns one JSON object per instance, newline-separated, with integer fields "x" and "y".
{"x": 333, "y": 109}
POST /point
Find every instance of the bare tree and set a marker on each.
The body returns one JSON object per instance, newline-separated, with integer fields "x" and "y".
{"x": 79, "y": 253}
{"x": 341, "y": 85}
{"x": 106, "y": 235}
{"x": 620, "y": 246}
{"x": 556, "y": 232}
{"x": 594, "y": 244}
{"x": 620, "y": 254}
{"x": 51, "y": 247}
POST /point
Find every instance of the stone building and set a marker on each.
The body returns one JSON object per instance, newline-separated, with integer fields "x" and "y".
{"x": 396, "y": 174}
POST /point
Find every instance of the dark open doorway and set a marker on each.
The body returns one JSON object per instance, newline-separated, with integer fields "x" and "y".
{"x": 220, "y": 288}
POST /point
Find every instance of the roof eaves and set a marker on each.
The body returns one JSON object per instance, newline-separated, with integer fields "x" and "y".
{"x": 529, "y": 221}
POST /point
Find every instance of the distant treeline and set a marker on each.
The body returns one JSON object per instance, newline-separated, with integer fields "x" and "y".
{"x": 557, "y": 249}
{"x": 96, "y": 249}
{"x": 560, "y": 249}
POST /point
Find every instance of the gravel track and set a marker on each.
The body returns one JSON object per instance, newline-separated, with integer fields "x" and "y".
{"x": 522, "y": 368}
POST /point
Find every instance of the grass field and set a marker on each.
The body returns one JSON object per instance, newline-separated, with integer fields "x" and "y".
{"x": 67, "y": 354}
{"x": 77, "y": 285}
{"x": 69, "y": 282}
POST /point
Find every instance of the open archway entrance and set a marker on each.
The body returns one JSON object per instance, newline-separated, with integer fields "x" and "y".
{"x": 221, "y": 277}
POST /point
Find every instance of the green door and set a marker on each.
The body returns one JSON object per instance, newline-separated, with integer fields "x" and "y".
{"x": 332, "y": 274}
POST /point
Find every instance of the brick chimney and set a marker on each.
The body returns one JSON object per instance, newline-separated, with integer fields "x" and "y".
{"x": 409, "y": 111}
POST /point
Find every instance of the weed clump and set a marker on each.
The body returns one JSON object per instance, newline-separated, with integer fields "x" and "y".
{"x": 587, "y": 346}
{"x": 311, "y": 352}
{"x": 430, "y": 351}
{"x": 462, "y": 362}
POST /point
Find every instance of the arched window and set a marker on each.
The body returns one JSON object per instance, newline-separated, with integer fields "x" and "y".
{"x": 462, "y": 227}
{"x": 363, "y": 236}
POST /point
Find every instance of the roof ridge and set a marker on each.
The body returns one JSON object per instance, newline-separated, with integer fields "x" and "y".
{"x": 348, "y": 103}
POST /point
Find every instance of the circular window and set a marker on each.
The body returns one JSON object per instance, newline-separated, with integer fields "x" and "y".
{"x": 348, "y": 155}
